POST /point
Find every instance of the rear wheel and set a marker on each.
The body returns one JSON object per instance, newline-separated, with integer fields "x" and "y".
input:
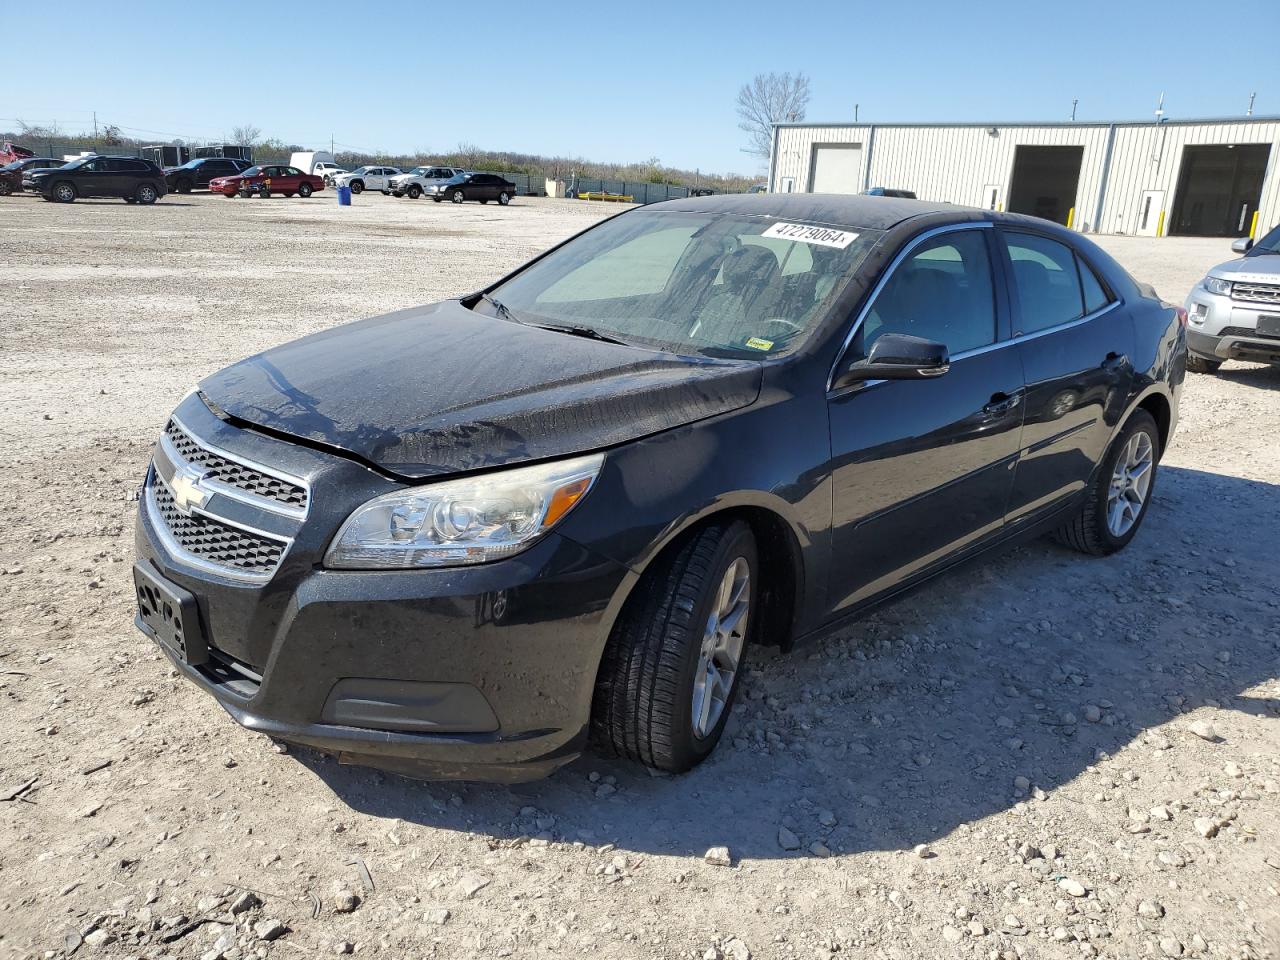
{"x": 304, "y": 190}
{"x": 185, "y": 186}
{"x": 1117, "y": 498}
{"x": 265, "y": 192}
{"x": 357, "y": 186}
{"x": 414, "y": 191}
{"x": 503, "y": 198}
{"x": 457, "y": 196}
{"x": 1201, "y": 365}
{"x": 6, "y": 188}
{"x": 146, "y": 193}
{"x": 671, "y": 665}
{"x": 64, "y": 192}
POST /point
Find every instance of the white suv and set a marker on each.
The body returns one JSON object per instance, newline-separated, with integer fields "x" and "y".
{"x": 414, "y": 183}
{"x": 1234, "y": 312}
{"x": 366, "y": 178}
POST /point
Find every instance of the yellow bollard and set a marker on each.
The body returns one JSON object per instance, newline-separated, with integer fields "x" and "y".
{"x": 1160, "y": 225}
{"x": 1253, "y": 226}
{"x": 1071, "y": 216}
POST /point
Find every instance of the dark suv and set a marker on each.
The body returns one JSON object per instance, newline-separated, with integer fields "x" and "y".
{"x": 197, "y": 174}
{"x": 465, "y": 539}
{"x": 132, "y": 179}
{"x": 11, "y": 174}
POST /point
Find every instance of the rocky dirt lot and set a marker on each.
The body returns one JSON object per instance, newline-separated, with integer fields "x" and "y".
{"x": 1040, "y": 756}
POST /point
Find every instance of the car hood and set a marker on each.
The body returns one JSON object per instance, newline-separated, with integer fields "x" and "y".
{"x": 1264, "y": 268}
{"x": 438, "y": 390}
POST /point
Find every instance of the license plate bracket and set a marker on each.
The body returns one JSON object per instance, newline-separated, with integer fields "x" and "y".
{"x": 1269, "y": 325}
{"x": 170, "y": 615}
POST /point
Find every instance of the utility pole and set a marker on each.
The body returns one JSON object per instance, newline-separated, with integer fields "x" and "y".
{"x": 1074, "y": 101}
{"x": 1249, "y": 112}
{"x": 331, "y": 143}
{"x": 95, "y": 127}
{"x": 855, "y": 112}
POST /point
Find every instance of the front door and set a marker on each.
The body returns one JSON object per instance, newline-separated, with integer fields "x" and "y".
{"x": 96, "y": 179}
{"x": 1149, "y": 214}
{"x": 1076, "y": 351}
{"x": 922, "y": 469}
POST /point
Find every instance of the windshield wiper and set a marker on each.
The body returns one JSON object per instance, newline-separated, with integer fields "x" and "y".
{"x": 588, "y": 333}
{"x": 497, "y": 305}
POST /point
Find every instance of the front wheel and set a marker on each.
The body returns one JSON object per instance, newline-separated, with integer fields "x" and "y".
{"x": 304, "y": 190}
{"x": 6, "y": 188}
{"x": 415, "y": 192}
{"x": 1117, "y": 498}
{"x": 1201, "y": 365}
{"x": 503, "y": 198}
{"x": 457, "y": 196}
{"x": 672, "y": 663}
{"x": 64, "y": 192}
{"x": 357, "y": 186}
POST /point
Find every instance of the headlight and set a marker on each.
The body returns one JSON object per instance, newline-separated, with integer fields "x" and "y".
{"x": 457, "y": 522}
{"x": 1221, "y": 287}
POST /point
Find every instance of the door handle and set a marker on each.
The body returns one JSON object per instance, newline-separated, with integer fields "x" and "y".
{"x": 1002, "y": 403}
{"x": 1115, "y": 361}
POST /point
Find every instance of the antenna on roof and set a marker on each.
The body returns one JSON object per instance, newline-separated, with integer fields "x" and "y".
{"x": 1249, "y": 112}
{"x": 1160, "y": 109}
{"x": 1074, "y": 101}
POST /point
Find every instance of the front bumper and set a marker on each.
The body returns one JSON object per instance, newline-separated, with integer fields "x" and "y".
{"x": 479, "y": 673}
{"x": 1220, "y": 328}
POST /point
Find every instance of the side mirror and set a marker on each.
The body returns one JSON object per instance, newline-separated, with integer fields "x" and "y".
{"x": 1243, "y": 245}
{"x": 897, "y": 356}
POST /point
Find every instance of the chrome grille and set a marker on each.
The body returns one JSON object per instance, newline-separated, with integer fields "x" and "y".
{"x": 241, "y": 551}
{"x": 1256, "y": 292}
{"x": 232, "y": 473}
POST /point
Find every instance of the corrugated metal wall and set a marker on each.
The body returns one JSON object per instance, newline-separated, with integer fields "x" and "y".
{"x": 954, "y": 164}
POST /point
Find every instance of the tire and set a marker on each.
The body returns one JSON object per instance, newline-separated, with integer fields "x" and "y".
{"x": 304, "y": 190}
{"x": 1201, "y": 365}
{"x": 289, "y": 195}
{"x": 357, "y": 186}
{"x": 185, "y": 186}
{"x": 503, "y": 198}
{"x": 64, "y": 192}
{"x": 230, "y": 196}
{"x": 457, "y": 196}
{"x": 438, "y": 199}
{"x": 146, "y": 194}
{"x": 6, "y": 188}
{"x": 1091, "y": 529}
{"x": 414, "y": 191}
{"x": 265, "y": 193}
{"x": 646, "y": 691}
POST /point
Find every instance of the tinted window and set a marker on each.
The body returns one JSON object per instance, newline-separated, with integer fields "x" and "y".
{"x": 942, "y": 292}
{"x": 1095, "y": 297}
{"x": 1047, "y": 282}
{"x": 292, "y": 171}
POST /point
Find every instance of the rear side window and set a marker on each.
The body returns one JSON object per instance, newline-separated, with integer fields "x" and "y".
{"x": 942, "y": 292}
{"x": 1095, "y": 297}
{"x": 1047, "y": 282}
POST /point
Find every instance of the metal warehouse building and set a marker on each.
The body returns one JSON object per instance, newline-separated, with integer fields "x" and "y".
{"x": 1208, "y": 178}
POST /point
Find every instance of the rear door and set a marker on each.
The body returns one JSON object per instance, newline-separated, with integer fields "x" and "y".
{"x": 1076, "y": 343}
{"x": 922, "y": 469}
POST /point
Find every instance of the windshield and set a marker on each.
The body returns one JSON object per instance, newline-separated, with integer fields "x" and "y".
{"x": 692, "y": 283}
{"x": 75, "y": 164}
{"x": 360, "y": 170}
{"x": 251, "y": 172}
{"x": 1268, "y": 244}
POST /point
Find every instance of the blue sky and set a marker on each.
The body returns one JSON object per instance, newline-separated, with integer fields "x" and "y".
{"x": 586, "y": 80}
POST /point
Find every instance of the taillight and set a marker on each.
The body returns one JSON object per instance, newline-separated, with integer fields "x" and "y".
{"x": 1182, "y": 317}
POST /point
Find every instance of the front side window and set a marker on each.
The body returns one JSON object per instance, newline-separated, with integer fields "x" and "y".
{"x": 942, "y": 292}
{"x": 1047, "y": 282}
{"x": 693, "y": 283}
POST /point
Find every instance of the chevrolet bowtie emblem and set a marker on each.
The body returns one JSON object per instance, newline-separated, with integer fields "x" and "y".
{"x": 187, "y": 492}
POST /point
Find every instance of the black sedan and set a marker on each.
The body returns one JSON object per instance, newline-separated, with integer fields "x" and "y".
{"x": 472, "y": 186}
{"x": 12, "y": 174}
{"x": 468, "y": 539}
{"x": 197, "y": 174}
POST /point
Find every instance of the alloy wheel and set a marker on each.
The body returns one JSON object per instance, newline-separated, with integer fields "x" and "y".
{"x": 1130, "y": 483}
{"x": 65, "y": 192}
{"x": 721, "y": 648}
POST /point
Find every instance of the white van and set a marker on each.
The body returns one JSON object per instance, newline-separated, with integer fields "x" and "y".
{"x": 306, "y": 161}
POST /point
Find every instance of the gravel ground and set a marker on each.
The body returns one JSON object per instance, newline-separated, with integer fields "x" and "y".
{"x": 1038, "y": 756}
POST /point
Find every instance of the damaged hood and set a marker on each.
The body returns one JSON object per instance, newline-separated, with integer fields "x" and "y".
{"x": 439, "y": 390}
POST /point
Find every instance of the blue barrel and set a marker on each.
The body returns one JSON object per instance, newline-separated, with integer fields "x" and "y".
{"x": 344, "y": 196}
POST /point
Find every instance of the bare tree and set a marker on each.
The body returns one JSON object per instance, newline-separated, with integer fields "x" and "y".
{"x": 246, "y": 135}
{"x": 768, "y": 99}
{"x": 469, "y": 154}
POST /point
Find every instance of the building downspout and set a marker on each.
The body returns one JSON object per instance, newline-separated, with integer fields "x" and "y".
{"x": 1106, "y": 176}
{"x": 866, "y": 164}
{"x": 773, "y": 160}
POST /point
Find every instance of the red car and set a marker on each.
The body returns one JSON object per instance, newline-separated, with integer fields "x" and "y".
{"x": 267, "y": 179}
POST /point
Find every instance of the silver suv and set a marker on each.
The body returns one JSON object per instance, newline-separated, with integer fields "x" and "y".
{"x": 1234, "y": 312}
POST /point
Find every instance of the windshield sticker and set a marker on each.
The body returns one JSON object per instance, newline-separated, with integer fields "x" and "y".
{"x": 755, "y": 343}
{"x": 822, "y": 236}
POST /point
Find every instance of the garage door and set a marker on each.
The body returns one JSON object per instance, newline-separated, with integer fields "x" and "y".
{"x": 837, "y": 168}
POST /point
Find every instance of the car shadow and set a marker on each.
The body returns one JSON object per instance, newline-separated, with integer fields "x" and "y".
{"x": 915, "y": 721}
{"x": 1266, "y": 377}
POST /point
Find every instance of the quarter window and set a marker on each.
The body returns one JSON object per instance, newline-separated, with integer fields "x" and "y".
{"x": 1095, "y": 297}
{"x": 942, "y": 292}
{"x": 1047, "y": 281}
